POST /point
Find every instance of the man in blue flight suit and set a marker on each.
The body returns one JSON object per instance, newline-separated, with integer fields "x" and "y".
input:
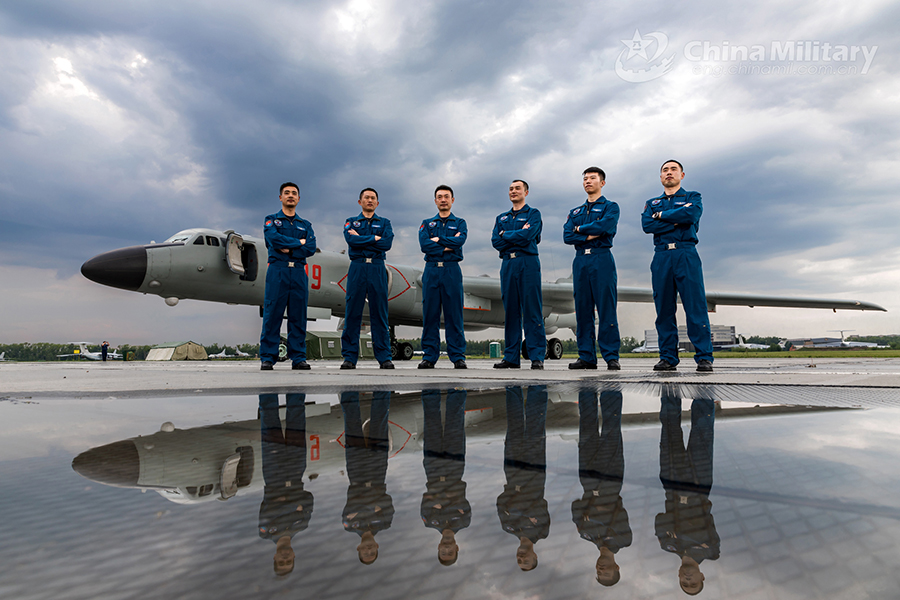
{"x": 289, "y": 240}
{"x": 591, "y": 228}
{"x": 286, "y": 507}
{"x": 599, "y": 514}
{"x": 516, "y": 236}
{"x": 441, "y": 239}
{"x": 674, "y": 218}
{"x": 369, "y": 238}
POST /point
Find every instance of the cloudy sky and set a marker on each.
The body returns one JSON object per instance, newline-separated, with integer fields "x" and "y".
{"x": 122, "y": 123}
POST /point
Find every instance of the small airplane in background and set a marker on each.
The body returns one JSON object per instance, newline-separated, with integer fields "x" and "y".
{"x": 222, "y": 354}
{"x": 225, "y": 266}
{"x": 238, "y": 353}
{"x": 83, "y": 352}
{"x": 745, "y": 345}
{"x": 847, "y": 344}
{"x": 3, "y": 357}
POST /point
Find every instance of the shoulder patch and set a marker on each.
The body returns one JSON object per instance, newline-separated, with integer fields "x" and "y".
{"x": 422, "y": 226}
{"x": 269, "y": 223}
{"x": 347, "y": 225}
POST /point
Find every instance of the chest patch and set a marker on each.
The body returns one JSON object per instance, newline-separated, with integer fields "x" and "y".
{"x": 577, "y": 211}
{"x": 656, "y": 202}
{"x": 278, "y": 222}
{"x": 356, "y": 223}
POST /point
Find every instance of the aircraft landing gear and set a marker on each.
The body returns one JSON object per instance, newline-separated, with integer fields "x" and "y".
{"x": 400, "y": 350}
{"x": 554, "y": 349}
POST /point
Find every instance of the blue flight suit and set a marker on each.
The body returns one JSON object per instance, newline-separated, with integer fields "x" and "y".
{"x": 522, "y": 508}
{"x": 520, "y": 281}
{"x": 442, "y": 286}
{"x": 594, "y": 277}
{"x": 287, "y": 285}
{"x": 687, "y": 527}
{"x": 286, "y": 508}
{"x": 444, "y": 504}
{"x": 599, "y": 515}
{"x": 676, "y": 269}
{"x": 367, "y": 277}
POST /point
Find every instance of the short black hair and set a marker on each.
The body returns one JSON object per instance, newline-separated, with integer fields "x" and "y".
{"x": 596, "y": 170}
{"x": 523, "y": 182}
{"x": 289, "y": 184}
{"x": 444, "y": 188}
{"x": 674, "y": 161}
{"x": 368, "y": 190}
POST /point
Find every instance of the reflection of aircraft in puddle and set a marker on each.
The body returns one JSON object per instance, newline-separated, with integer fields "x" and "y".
{"x": 219, "y": 461}
{"x": 224, "y": 266}
{"x": 83, "y": 351}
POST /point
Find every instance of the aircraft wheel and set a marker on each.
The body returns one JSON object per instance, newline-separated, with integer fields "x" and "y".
{"x": 406, "y": 351}
{"x": 395, "y": 351}
{"x": 282, "y": 352}
{"x": 554, "y": 349}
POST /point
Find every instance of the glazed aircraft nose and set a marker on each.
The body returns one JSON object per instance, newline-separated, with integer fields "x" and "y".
{"x": 115, "y": 464}
{"x": 124, "y": 268}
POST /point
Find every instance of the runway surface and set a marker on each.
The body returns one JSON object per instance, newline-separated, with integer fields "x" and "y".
{"x": 136, "y": 379}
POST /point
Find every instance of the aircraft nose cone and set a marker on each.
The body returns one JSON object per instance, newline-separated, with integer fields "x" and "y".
{"x": 124, "y": 268}
{"x": 115, "y": 464}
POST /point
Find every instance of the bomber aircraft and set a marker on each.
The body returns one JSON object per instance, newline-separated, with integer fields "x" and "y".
{"x": 225, "y": 266}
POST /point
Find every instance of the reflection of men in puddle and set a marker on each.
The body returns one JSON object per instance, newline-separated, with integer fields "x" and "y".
{"x": 687, "y": 527}
{"x": 444, "y": 504}
{"x": 521, "y": 507}
{"x": 286, "y": 507}
{"x": 599, "y": 514}
{"x": 369, "y": 508}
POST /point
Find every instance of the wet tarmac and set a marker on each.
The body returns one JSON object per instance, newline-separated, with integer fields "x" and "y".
{"x": 763, "y": 482}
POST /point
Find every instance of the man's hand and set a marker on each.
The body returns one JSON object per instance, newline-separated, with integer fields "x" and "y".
{"x": 656, "y": 215}
{"x": 436, "y": 239}
{"x": 457, "y": 234}
{"x": 377, "y": 238}
{"x": 285, "y": 251}
{"x": 352, "y": 232}
{"x": 303, "y": 241}
{"x": 526, "y": 226}
{"x": 592, "y": 237}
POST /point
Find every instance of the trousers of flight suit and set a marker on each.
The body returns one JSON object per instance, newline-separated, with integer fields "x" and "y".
{"x": 595, "y": 281}
{"x": 366, "y": 280}
{"x": 286, "y": 287}
{"x": 679, "y": 272}
{"x": 442, "y": 288}
{"x": 520, "y": 287}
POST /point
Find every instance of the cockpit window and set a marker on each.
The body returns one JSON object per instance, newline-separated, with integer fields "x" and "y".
{"x": 178, "y": 239}
{"x": 212, "y": 241}
{"x": 198, "y": 241}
